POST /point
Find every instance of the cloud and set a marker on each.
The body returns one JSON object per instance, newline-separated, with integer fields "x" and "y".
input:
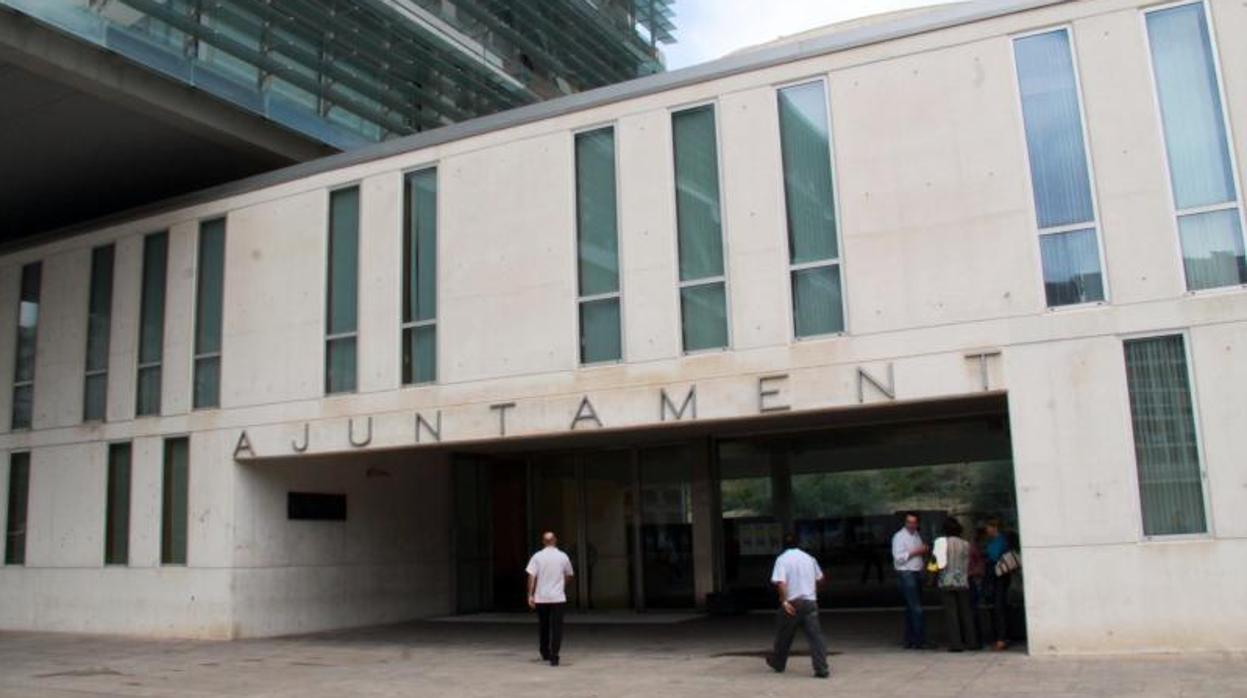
{"x": 709, "y": 29}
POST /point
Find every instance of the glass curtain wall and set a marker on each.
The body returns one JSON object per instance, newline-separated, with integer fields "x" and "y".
{"x": 699, "y": 230}
{"x": 419, "y": 319}
{"x": 813, "y": 247}
{"x": 597, "y": 243}
{"x": 1201, "y": 171}
{"x": 1060, "y": 175}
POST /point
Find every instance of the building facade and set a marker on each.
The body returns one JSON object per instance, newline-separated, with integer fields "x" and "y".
{"x": 981, "y": 261}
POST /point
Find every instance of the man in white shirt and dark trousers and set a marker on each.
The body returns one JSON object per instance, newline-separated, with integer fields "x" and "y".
{"x": 548, "y": 572}
{"x": 908, "y": 555}
{"x": 796, "y": 578}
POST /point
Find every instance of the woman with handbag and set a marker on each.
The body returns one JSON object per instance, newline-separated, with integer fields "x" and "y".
{"x": 1001, "y": 564}
{"x": 952, "y": 558}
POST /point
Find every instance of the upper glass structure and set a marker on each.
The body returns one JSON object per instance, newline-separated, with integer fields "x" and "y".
{"x": 350, "y": 72}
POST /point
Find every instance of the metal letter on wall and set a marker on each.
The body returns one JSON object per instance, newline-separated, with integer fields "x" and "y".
{"x": 982, "y": 357}
{"x": 502, "y": 408}
{"x": 301, "y": 447}
{"x": 351, "y": 434}
{"x": 863, "y": 378}
{"x": 244, "y": 444}
{"x": 435, "y": 432}
{"x": 585, "y": 413}
{"x": 764, "y": 393}
{"x": 665, "y": 404}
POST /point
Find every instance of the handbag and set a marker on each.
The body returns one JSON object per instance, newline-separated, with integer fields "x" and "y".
{"x": 1008, "y": 563}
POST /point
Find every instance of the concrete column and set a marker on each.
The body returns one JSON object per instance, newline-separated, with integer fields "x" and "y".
{"x": 123, "y": 336}
{"x": 177, "y": 358}
{"x": 380, "y": 282}
{"x": 705, "y": 522}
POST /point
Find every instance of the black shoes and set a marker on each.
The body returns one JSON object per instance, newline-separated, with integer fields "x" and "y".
{"x": 822, "y": 674}
{"x": 776, "y": 666}
{"x": 554, "y": 661}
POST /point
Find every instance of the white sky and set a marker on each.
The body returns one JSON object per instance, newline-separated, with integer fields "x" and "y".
{"x": 709, "y": 29}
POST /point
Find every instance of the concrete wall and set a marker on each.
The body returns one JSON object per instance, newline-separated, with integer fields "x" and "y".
{"x": 940, "y": 259}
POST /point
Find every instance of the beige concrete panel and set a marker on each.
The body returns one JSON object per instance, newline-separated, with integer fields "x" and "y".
{"x": 1220, "y": 371}
{"x": 123, "y": 335}
{"x": 146, "y": 476}
{"x": 1154, "y": 597}
{"x": 10, "y": 291}
{"x": 508, "y": 278}
{"x": 1128, "y": 158}
{"x": 61, "y": 346}
{"x": 755, "y": 226}
{"x": 1229, "y": 26}
{"x": 933, "y": 191}
{"x": 65, "y": 520}
{"x": 651, "y": 312}
{"x": 1072, "y": 451}
{"x": 273, "y": 330}
{"x": 179, "y": 339}
{"x": 380, "y": 281}
{"x": 211, "y": 503}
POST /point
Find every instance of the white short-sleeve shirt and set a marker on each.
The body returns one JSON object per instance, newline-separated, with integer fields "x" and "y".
{"x": 800, "y": 571}
{"x": 550, "y": 567}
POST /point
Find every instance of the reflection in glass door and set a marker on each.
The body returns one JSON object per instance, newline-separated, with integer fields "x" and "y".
{"x": 556, "y": 507}
{"x": 608, "y": 506}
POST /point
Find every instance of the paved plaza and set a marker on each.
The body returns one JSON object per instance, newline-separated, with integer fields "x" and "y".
{"x": 675, "y": 656}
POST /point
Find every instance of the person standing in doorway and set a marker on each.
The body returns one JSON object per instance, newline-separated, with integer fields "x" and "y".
{"x": 952, "y": 556}
{"x": 998, "y": 584}
{"x": 908, "y": 552}
{"x": 796, "y": 577}
{"x": 549, "y": 570}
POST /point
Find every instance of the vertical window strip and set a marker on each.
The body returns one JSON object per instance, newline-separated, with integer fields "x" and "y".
{"x": 1201, "y": 170}
{"x": 27, "y": 337}
{"x": 699, "y": 231}
{"x": 117, "y": 508}
{"x": 1162, "y": 414}
{"x": 15, "y": 520}
{"x": 152, "y": 323}
{"x": 809, "y": 201}
{"x": 342, "y": 306}
{"x": 597, "y": 243}
{"x": 175, "y": 488}
{"x": 1059, "y": 169}
{"x": 209, "y": 308}
{"x": 419, "y": 321}
{"x": 99, "y": 319}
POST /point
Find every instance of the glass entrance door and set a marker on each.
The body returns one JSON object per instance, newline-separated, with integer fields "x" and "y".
{"x": 609, "y": 499}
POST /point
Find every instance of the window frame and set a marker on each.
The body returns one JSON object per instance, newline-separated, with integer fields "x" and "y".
{"x": 1095, "y": 223}
{"x": 617, "y": 294}
{"x": 1205, "y": 489}
{"x": 1175, "y": 213}
{"x": 195, "y": 319}
{"x": 838, "y": 262}
{"x": 34, "y": 359}
{"x": 434, "y": 165}
{"x": 328, "y": 288}
{"x": 88, "y": 374}
{"x": 164, "y": 449}
{"x": 108, "y": 452}
{"x": 139, "y": 366}
{"x": 8, "y": 498}
{"x": 724, "y": 278}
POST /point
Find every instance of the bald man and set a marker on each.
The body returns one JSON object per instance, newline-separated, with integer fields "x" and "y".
{"x": 549, "y": 570}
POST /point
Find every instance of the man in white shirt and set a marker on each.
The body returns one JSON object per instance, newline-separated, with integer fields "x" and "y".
{"x": 796, "y": 578}
{"x": 908, "y": 553}
{"x": 548, "y": 573}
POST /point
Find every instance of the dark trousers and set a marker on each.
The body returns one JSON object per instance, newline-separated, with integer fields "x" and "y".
{"x": 911, "y": 590}
{"x": 959, "y": 615}
{"x": 550, "y": 629}
{"x": 786, "y": 629}
{"x": 1000, "y": 605}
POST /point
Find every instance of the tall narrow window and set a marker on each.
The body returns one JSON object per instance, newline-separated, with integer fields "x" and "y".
{"x": 27, "y": 334}
{"x": 1201, "y": 174}
{"x": 152, "y": 323}
{"x": 1069, "y": 245}
{"x": 813, "y": 250}
{"x": 117, "y": 510}
{"x": 1170, "y": 481}
{"x": 175, "y": 490}
{"x": 699, "y": 230}
{"x": 19, "y": 494}
{"x": 597, "y": 246}
{"x": 99, "y": 314}
{"x": 420, "y": 277}
{"x": 210, "y": 283}
{"x": 343, "y": 298}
